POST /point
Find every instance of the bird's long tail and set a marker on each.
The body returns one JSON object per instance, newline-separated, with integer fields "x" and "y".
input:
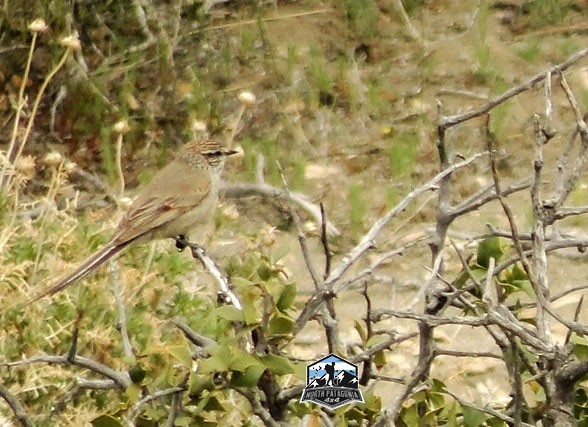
{"x": 85, "y": 268}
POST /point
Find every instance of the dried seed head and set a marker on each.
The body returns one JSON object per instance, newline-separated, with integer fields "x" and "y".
{"x": 267, "y": 236}
{"x": 230, "y": 211}
{"x": 310, "y": 228}
{"x": 71, "y": 42}
{"x": 121, "y": 127}
{"x": 53, "y": 159}
{"x": 125, "y": 202}
{"x": 247, "y": 99}
{"x": 198, "y": 126}
{"x": 70, "y": 167}
{"x": 38, "y": 26}
{"x": 26, "y": 166}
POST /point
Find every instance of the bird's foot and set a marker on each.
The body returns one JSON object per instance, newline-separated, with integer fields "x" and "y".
{"x": 181, "y": 242}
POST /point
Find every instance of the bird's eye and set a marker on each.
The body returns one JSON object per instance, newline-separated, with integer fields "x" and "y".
{"x": 217, "y": 153}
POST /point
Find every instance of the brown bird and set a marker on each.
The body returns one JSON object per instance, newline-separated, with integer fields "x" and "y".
{"x": 179, "y": 198}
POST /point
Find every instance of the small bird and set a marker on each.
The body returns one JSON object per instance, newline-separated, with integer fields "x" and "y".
{"x": 179, "y": 198}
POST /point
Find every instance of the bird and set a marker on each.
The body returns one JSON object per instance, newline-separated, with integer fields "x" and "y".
{"x": 180, "y": 198}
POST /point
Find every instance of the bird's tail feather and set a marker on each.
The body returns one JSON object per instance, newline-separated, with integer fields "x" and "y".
{"x": 85, "y": 268}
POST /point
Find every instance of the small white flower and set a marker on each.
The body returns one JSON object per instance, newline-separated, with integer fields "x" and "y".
{"x": 247, "y": 98}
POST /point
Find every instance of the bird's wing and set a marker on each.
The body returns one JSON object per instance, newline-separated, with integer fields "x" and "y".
{"x": 174, "y": 190}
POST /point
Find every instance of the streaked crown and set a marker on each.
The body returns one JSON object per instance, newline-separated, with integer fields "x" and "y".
{"x": 206, "y": 154}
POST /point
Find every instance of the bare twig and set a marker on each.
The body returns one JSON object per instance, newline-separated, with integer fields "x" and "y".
{"x": 257, "y": 408}
{"x": 134, "y": 411}
{"x": 486, "y": 410}
{"x": 19, "y": 411}
{"x": 121, "y": 379}
{"x": 245, "y": 190}
{"x": 121, "y": 325}
{"x": 447, "y": 122}
{"x": 193, "y": 336}
{"x": 325, "y": 241}
{"x": 540, "y": 213}
{"x": 476, "y": 354}
{"x": 576, "y": 316}
{"x": 363, "y": 274}
{"x": 199, "y": 253}
{"x": 368, "y": 241}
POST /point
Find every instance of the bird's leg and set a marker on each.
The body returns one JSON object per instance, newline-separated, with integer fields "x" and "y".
{"x": 182, "y": 243}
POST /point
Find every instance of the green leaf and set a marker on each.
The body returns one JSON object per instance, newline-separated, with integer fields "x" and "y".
{"x": 250, "y": 298}
{"x": 278, "y": 365}
{"x": 199, "y": 383}
{"x": 265, "y": 272}
{"x": 230, "y": 313}
{"x": 280, "y": 252}
{"x": 361, "y": 330}
{"x": 182, "y": 353}
{"x": 580, "y": 348}
{"x": 280, "y": 325}
{"x": 106, "y": 421}
{"x": 379, "y": 359}
{"x": 473, "y": 417}
{"x": 452, "y": 414}
{"x": 242, "y": 360}
{"x": 213, "y": 404}
{"x": 375, "y": 340}
{"x": 221, "y": 359}
{"x": 489, "y": 248}
{"x": 137, "y": 374}
{"x": 248, "y": 378}
{"x": 525, "y": 286}
{"x": 238, "y": 281}
{"x": 287, "y": 297}
{"x": 410, "y": 415}
{"x": 517, "y": 272}
{"x": 438, "y": 385}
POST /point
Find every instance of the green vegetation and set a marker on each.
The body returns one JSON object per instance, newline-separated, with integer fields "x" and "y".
{"x": 548, "y": 12}
{"x": 149, "y": 340}
{"x": 531, "y": 51}
{"x": 402, "y": 152}
{"x": 357, "y": 208}
{"x": 362, "y": 17}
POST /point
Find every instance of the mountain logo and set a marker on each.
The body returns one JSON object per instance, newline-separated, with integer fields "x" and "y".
{"x": 332, "y": 382}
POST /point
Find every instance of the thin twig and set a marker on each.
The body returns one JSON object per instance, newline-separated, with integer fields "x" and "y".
{"x": 121, "y": 379}
{"x": 325, "y": 241}
{"x": 199, "y": 253}
{"x": 134, "y": 411}
{"x": 19, "y": 411}
{"x": 256, "y": 406}
{"x": 368, "y": 240}
{"x": 121, "y": 325}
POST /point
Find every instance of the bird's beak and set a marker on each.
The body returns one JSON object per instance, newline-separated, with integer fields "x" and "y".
{"x": 230, "y": 152}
